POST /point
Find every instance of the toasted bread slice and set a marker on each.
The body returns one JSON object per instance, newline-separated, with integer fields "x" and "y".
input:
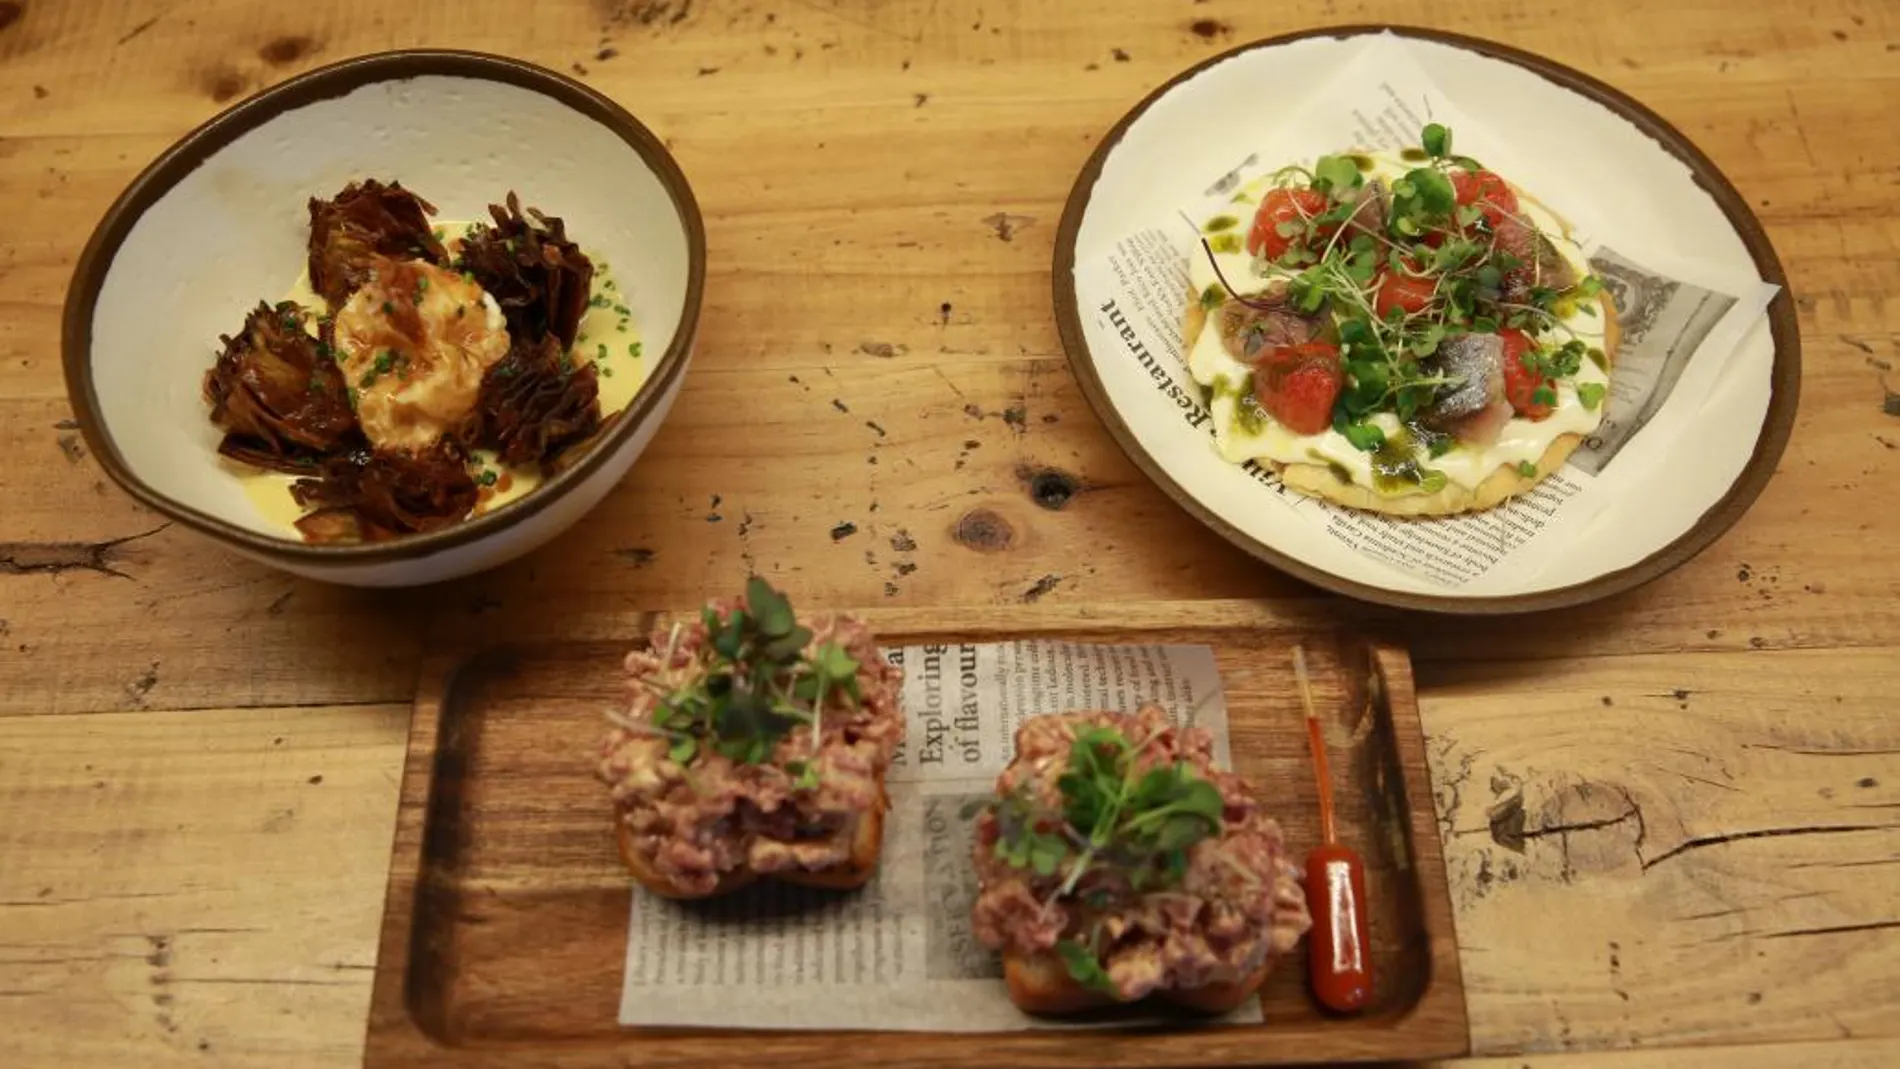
{"x": 1218, "y": 998}
{"x": 1041, "y": 984}
{"x": 867, "y": 844}
{"x": 856, "y": 870}
{"x": 659, "y": 885}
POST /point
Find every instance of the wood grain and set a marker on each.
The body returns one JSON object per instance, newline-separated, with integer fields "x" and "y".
{"x": 859, "y": 163}
{"x": 508, "y": 902}
{"x": 1535, "y": 980}
{"x": 1645, "y": 783}
{"x": 989, "y": 513}
{"x": 195, "y": 887}
{"x": 1838, "y": 1054}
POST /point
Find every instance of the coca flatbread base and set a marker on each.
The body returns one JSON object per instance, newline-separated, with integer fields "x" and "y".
{"x": 1318, "y": 480}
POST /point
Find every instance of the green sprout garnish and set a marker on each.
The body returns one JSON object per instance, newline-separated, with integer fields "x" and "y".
{"x": 762, "y": 679}
{"x": 1392, "y": 287}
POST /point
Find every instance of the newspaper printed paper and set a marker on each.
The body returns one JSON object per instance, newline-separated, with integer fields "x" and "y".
{"x": 899, "y": 954}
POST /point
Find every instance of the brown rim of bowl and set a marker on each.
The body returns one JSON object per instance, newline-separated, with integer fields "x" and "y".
{"x": 324, "y": 83}
{"x": 1777, "y": 422}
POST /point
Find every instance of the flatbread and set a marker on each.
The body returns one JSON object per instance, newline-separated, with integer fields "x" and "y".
{"x": 1318, "y": 480}
{"x": 1506, "y": 482}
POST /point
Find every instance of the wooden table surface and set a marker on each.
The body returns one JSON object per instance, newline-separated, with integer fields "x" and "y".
{"x": 1673, "y": 819}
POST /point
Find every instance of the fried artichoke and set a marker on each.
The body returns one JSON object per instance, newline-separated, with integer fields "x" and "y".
{"x": 375, "y": 495}
{"x": 277, "y": 395}
{"x": 541, "y": 280}
{"x": 365, "y": 221}
{"x": 534, "y": 403}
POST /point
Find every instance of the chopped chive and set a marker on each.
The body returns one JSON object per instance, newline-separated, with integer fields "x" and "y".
{"x": 623, "y": 310}
{"x": 488, "y": 478}
{"x": 607, "y": 371}
{"x": 634, "y": 350}
{"x": 389, "y": 309}
{"x": 607, "y": 285}
{"x": 601, "y": 354}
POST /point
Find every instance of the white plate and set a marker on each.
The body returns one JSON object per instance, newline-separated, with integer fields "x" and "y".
{"x": 1597, "y": 157}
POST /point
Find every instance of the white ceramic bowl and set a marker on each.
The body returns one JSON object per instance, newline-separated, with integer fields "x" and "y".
{"x": 1687, "y": 470}
{"x": 220, "y": 221}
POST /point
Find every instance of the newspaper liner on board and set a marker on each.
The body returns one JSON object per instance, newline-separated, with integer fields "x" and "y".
{"x": 899, "y": 954}
{"x": 1380, "y": 101}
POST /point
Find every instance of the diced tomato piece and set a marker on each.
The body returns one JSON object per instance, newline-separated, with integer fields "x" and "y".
{"x": 1297, "y": 385}
{"x": 1521, "y": 383}
{"x": 1490, "y": 193}
{"x": 1281, "y": 206}
{"x": 1404, "y": 292}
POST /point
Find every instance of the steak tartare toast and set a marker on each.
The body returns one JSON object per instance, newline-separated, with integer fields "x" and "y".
{"x": 755, "y": 744}
{"x": 1118, "y": 863}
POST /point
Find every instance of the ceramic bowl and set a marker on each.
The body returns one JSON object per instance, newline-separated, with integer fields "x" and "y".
{"x": 219, "y": 221}
{"x": 1708, "y": 366}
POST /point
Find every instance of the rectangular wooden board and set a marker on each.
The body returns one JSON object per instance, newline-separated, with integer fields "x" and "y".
{"x": 504, "y": 932}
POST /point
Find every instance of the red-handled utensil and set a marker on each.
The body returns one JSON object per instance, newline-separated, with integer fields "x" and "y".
{"x": 1338, "y": 949}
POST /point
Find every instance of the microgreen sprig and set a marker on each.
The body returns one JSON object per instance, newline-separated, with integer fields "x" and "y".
{"x": 757, "y": 679}
{"x": 1338, "y": 260}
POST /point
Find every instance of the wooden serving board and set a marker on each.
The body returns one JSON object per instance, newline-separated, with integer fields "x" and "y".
{"x": 504, "y": 931}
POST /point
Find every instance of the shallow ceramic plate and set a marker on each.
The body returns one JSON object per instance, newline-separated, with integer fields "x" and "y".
{"x": 1627, "y": 175}
{"x": 220, "y": 222}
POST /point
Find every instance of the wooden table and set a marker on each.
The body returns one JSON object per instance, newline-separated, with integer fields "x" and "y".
{"x": 1673, "y": 819}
